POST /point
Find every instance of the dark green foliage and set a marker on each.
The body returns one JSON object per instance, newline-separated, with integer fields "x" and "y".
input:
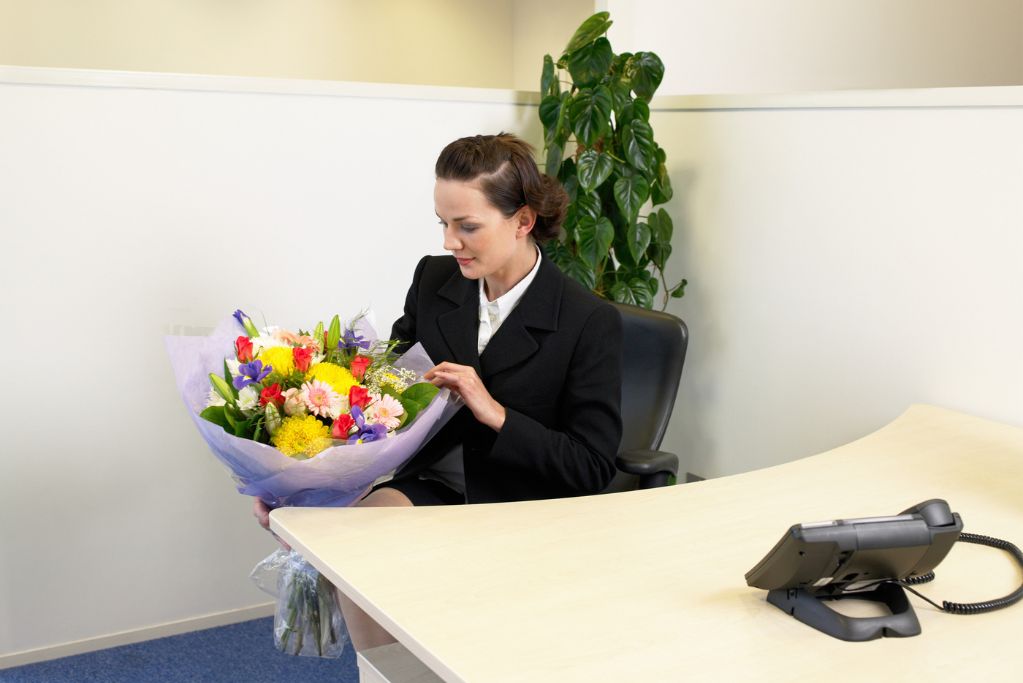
{"x": 614, "y": 169}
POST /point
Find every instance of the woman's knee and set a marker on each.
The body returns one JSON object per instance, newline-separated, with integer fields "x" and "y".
{"x": 385, "y": 497}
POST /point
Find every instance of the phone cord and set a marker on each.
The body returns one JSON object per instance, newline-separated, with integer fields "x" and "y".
{"x": 974, "y": 607}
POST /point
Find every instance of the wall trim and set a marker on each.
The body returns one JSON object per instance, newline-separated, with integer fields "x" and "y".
{"x": 172, "y": 628}
{"x": 142, "y": 80}
{"x": 978, "y": 97}
{"x": 1009, "y": 96}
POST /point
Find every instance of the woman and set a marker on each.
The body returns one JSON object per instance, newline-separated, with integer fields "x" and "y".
{"x": 534, "y": 355}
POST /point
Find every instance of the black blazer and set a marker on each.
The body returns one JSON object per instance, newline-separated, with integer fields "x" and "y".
{"x": 555, "y": 366}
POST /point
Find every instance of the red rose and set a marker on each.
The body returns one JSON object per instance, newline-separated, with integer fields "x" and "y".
{"x": 271, "y": 394}
{"x": 342, "y": 425}
{"x": 303, "y": 357}
{"x": 359, "y": 365}
{"x": 358, "y": 396}
{"x": 243, "y": 347}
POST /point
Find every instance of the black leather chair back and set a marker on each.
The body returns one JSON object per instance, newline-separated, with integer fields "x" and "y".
{"x": 654, "y": 351}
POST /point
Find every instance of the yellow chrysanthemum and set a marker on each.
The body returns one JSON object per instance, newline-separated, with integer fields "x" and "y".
{"x": 280, "y": 358}
{"x": 301, "y": 435}
{"x": 340, "y": 379}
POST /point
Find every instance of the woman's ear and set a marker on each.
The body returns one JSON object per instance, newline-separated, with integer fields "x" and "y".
{"x": 526, "y": 218}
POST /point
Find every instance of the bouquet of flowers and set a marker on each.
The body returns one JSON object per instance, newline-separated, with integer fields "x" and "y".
{"x": 309, "y": 418}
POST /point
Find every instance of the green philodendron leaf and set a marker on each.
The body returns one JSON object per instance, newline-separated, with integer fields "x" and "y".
{"x": 580, "y": 271}
{"x": 680, "y": 290}
{"x": 632, "y": 111}
{"x": 548, "y": 77}
{"x": 659, "y": 254}
{"x": 591, "y": 29}
{"x": 554, "y": 153}
{"x": 630, "y": 194}
{"x": 550, "y": 109}
{"x": 588, "y": 204}
{"x": 590, "y": 63}
{"x": 645, "y": 71}
{"x": 638, "y": 239}
{"x": 569, "y": 179}
{"x": 590, "y": 111}
{"x": 594, "y": 237}
{"x": 660, "y": 191}
{"x": 556, "y": 251}
{"x": 593, "y": 168}
{"x": 634, "y": 291}
{"x": 638, "y": 140}
{"x": 665, "y": 227}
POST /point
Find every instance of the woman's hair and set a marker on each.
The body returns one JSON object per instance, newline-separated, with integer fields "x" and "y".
{"x": 509, "y": 178}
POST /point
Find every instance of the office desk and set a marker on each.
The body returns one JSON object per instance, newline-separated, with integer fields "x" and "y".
{"x": 648, "y": 585}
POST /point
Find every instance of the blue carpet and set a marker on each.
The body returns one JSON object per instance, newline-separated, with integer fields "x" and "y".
{"x": 240, "y": 652}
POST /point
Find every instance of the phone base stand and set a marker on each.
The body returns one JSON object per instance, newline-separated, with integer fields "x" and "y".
{"x": 813, "y": 611}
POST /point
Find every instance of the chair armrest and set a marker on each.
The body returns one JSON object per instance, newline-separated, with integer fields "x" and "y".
{"x": 644, "y": 462}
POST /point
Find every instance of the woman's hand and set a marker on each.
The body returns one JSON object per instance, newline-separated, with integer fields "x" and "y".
{"x": 463, "y": 381}
{"x": 262, "y": 514}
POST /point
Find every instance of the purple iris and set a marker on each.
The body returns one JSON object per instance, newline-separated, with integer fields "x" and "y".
{"x": 350, "y": 340}
{"x": 366, "y": 432}
{"x": 240, "y": 316}
{"x": 250, "y": 373}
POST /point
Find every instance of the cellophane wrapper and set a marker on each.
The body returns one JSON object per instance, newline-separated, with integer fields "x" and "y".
{"x": 308, "y": 619}
{"x": 337, "y": 476}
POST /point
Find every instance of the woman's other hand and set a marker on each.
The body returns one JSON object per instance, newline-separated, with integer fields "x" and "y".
{"x": 463, "y": 381}
{"x": 262, "y": 514}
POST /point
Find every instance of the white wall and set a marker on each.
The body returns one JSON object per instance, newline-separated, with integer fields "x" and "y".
{"x": 734, "y": 46}
{"x": 848, "y": 255}
{"x": 160, "y": 205}
{"x": 542, "y": 27}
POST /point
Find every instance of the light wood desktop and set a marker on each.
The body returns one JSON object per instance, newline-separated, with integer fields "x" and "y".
{"x": 649, "y": 586}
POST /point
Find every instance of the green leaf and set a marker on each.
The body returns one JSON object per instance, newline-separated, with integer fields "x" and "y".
{"x": 638, "y": 239}
{"x": 645, "y": 71}
{"x": 215, "y": 414}
{"x": 633, "y": 110}
{"x": 593, "y": 168}
{"x": 556, "y": 251}
{"x": 588, "y": 204}
{"x": 665, "y": 228}
{"x": 659, "y": 254}
{"x": 638, "y": 139}
{"x": 590, "y": 111}
{"x": 594, "y": 237}
{"x": 680, "y": 290}
{"x": 633, "y": 291}
{"x": 590, "y": 63}
{"x": 550, "y": 109}
{"x": 588, "y": 31}
{"x": 221, "y": 387}
{"x": 554, "y": 153}
{"x": 660, "y": 190}
{"x": 416, "y": 398}
{"x": 334, "y": 333}
{"x": 548, "y": 77}
{"x": 630, "y": 194}
{"x": 580, "y": 271}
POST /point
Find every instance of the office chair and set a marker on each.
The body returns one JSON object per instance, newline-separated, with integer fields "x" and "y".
{"x": 654, "y": 346}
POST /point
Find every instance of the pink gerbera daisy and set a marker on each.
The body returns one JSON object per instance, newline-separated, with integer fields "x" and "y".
{"x": 320, "y": 399}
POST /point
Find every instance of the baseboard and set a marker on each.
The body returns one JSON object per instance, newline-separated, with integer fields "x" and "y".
{"x": 173, "y": 628}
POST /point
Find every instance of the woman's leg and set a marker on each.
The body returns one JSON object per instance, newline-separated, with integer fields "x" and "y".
{"x": 365, "y": 632}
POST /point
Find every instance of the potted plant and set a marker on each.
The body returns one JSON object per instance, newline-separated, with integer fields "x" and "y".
{"x": 599, "y": 144}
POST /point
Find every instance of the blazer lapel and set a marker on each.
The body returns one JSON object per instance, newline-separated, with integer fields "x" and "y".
{"x": 514, "y": 341}
{"x": 460, "y": 326}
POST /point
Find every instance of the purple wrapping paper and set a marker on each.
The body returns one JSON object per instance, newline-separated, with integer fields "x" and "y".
{"x": 337, "y": 476}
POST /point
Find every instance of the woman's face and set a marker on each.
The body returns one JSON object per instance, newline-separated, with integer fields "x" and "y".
{"x": 484, "y": 242}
